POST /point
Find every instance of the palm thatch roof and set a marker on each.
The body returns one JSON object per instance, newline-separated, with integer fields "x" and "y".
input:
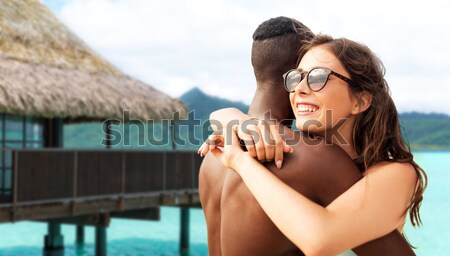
{"x": 47, "y": 71}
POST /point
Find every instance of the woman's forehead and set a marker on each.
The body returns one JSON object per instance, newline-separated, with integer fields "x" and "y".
{"x": 320, "y": 56}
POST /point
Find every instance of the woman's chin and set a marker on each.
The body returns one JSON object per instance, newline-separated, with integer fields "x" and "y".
{"x": 309, "y": 125}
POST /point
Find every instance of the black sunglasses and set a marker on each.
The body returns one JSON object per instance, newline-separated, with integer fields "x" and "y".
{"x": 316, "y": 78}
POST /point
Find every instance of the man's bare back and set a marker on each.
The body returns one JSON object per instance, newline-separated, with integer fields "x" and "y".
{"x": 245, "y": 228}
{"x": 237, "y": 225}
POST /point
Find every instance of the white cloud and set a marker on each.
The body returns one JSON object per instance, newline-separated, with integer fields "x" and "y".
{"x": 175, "y": 45}
{"x": 426, "y": 93}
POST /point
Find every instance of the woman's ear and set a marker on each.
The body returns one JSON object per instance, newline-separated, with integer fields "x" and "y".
{"x": 362, "y": 102}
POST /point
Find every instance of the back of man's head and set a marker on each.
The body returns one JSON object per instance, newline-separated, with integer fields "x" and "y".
{"x": 276, "y": 46}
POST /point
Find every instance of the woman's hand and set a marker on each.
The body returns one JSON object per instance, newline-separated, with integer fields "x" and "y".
{"x": 225, "y": 147}
{"x": 262, "y": 140}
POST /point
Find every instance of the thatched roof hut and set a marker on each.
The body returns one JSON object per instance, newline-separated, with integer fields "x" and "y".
{"x": 47, "y": 71}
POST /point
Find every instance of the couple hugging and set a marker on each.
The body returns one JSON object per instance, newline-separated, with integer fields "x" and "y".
{"x": 342, "y": 184}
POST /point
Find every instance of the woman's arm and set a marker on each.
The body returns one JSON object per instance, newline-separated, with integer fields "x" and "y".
{"x": 262, "y": 138}
{"x": 226, "y": 117}
{"x": 370, "y": 209}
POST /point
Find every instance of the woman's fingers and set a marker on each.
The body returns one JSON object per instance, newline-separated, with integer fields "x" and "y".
{"x": 279, "y": 145}
{"x": 217, "y": 153}
{"x": 259, "y": 144}
{"x": 200, "y": 149}
{"x": 214, "y": 140}
{"x": 228, "y": 153}
{"x": 287, "y": 148}
{"x": 250, "y": 132}
{"x": 267, "y": 140}
{"x": 261, "y": 138}
{"x": 246, "y": 131}
{"x": 247, "y": 139}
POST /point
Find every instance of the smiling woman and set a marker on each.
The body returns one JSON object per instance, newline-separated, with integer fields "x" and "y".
{"x": 344, "y": 81}
{"x": 328, "y": 94}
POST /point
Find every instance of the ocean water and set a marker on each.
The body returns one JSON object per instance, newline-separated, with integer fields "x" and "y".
{"x": 433, "y": 236}
{"x": 125, "y": 237}
{"x": 161, "y": 238}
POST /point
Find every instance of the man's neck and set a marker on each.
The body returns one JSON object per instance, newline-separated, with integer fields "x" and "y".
{"x": 269, "y": 99}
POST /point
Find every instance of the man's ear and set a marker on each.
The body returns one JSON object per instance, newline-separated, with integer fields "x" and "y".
{"x": 362, "y": 102}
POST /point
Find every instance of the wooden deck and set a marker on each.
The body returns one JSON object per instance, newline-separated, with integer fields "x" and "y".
{"x": 59, "y": 183}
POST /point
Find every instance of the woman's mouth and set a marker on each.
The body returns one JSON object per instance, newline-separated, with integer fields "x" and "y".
{"x": 306, "y": 108}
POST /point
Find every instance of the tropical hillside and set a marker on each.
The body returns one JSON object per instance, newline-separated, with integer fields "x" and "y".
{"x": 426, "y": 131}
{"x": 422, "y": 131}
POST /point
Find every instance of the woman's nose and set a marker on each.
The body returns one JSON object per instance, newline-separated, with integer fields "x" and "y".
{"x": 302, "y": 87}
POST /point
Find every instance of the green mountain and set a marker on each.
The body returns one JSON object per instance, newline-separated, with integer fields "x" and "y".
{"x": 204, "y": 104}
{"x": 426, "y": 131}
{"x": 421, "y": 130}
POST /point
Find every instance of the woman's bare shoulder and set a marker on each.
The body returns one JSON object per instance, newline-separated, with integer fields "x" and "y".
{"x": 392, "y": 169}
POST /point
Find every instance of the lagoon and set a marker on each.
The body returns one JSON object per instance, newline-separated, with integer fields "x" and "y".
{"x": 127, "y": 237}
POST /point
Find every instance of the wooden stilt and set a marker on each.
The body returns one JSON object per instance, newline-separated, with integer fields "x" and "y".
{"x": 53, "y": 138}
{"x": 54, "y": 241}
{"x": 79, "y": 240}
{"x": 184, "y": 231}
{"x": 79, "y": 235}
{"x": 100, "y": 241}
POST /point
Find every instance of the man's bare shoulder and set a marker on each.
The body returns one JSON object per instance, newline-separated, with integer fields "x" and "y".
{"x": 315, "y": 166}
{"x": 314, "y": 154}
{"x": 211, "y": 168}
{"x": 211, "y": 176}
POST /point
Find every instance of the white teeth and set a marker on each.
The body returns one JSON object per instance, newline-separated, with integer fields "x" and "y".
{"x": 306, "y": 108}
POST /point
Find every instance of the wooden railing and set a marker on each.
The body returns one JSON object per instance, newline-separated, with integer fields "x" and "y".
{"x": 58, "y": 175}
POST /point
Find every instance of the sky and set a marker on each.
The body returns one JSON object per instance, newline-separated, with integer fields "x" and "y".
{"x": 180, "y": 44}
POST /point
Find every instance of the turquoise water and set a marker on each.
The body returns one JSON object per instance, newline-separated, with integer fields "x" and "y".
{"x": 125, "y": 237}
{"x": 161, "y": 237}
{"x": 432, "y": 238}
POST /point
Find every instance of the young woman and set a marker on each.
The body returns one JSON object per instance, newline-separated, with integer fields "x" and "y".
{"x": 338, "y": 90}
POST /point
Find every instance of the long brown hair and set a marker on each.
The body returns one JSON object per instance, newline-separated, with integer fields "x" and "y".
{"x": 377, "y": 136}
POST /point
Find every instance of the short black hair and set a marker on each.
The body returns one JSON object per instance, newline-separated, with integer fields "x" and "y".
{"x": 277, "y": 27}
{"x": 277, "y": 43}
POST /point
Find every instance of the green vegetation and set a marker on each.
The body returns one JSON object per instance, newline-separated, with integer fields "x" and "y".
{"x": 422, "y": 131}
{"x": 204, "y": 104}
{"x": 426, "y": 131}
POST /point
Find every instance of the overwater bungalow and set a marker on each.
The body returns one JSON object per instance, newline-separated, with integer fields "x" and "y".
{"x": 48, "y": 78}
